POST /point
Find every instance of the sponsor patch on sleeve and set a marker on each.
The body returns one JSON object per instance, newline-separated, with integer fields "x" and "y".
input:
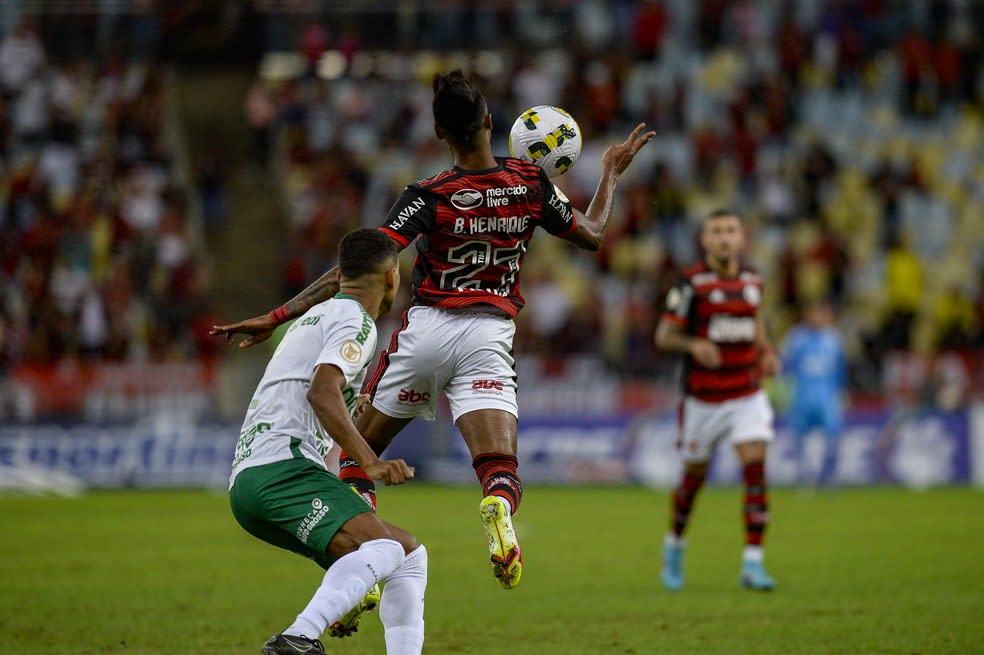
{"x": 351, "y": 351}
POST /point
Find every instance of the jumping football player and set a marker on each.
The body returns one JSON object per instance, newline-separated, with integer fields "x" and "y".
{"x": 471, "y": 225}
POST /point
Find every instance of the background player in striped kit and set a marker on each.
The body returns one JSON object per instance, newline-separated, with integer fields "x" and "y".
{"x": 712, "y": 318}
{"x": 457, "y": 337}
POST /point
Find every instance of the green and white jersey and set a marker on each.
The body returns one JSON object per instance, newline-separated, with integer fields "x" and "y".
{"x": 280, "y": 423}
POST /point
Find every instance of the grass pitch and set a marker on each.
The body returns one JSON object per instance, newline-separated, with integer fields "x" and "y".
{"x": 860, "y": 571}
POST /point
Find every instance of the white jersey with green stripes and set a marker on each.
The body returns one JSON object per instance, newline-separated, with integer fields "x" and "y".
{"x": 280, "y": 423}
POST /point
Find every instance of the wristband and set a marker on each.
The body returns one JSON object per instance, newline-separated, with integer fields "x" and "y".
{"x": 279, "y": 315}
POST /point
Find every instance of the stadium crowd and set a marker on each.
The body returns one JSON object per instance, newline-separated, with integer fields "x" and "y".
{"x": 99, "y": 258}
{"x": 848, "y": 132}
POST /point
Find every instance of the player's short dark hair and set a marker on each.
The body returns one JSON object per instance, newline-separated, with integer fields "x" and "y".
{"x": 365, "y": 251}
{"x": 723, "y": 211}
{"x": 719, "y": 213}
{"x": 459, "y": 107}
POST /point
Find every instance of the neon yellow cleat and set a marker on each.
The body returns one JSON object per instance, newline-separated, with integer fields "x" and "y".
{"x": 507, "y": 561}
{"x": 349, "y": 624}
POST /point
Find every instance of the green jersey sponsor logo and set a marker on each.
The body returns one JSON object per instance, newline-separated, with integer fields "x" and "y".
{"x": 244, "y": 446}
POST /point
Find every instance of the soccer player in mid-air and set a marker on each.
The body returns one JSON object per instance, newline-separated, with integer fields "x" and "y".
{"x": 712, "y": 318}
{"x": 280, "y": 489}
{"x": 813, "y": 356}
{"x": 471, "y": 225}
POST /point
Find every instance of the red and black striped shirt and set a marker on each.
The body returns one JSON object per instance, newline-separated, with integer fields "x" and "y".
{"x": 472, "y": 229}
{"x": 722, "y": 310}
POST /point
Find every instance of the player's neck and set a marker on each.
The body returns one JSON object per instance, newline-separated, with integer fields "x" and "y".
{"x": 370, "y": 301}
{"x": 476, "y": 159}
{"x": 724, "y": 268}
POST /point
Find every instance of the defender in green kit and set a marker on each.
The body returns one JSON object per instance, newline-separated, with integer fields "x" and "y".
{"x": 280, "y": 489}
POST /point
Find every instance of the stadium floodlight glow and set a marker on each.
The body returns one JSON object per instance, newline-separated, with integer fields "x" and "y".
{"x": 456, "y": 59}
{"x": 389, "y": 66}
{"x": 489, "y": 63}
{"x": 331, "y": 65}
{"x": 280, "y": 66}
{"x": 425, "y": 65}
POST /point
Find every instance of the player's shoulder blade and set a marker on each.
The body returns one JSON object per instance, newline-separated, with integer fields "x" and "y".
{"x": 521, "y": 167}
{"x": 436, "y": 181}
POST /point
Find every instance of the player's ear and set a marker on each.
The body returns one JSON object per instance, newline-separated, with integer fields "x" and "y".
{"x": 438, "y": 132}
{"x": 393, "y": 277}
{"x": 488, "y": 120}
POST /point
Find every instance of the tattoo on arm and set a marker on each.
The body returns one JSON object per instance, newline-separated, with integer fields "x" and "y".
{"x": 320, "y": 290}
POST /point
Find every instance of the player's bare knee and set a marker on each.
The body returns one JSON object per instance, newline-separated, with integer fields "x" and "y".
{"x": 356, "y": 531}
{"x": 697, "y": 469}
{"x": 488, "y": 431}
{"x": 752, "y": 452}
{"x": 407, "y": 540}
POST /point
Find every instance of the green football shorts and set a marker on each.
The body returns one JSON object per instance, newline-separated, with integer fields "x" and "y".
{"x": 294, "y": 504}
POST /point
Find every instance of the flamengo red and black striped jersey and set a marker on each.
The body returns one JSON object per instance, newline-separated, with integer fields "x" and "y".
{"x": 723, "y": 310}
{"x": 474, "y": 228}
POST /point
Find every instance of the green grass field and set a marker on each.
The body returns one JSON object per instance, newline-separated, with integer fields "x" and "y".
{"x": 865, "y": 571}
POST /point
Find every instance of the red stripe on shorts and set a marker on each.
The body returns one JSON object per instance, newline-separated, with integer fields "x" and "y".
{"x": 370, "y": 386}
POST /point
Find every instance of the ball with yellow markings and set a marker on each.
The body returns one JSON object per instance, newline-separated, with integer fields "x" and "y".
{"x": 547, "y": 136}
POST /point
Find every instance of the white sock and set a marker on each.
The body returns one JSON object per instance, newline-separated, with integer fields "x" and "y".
{"x": 345, "y": 583}
{"x": 674, "y": 540}
{"x": 402, "y": 607}
{"x": 752, "y": 554}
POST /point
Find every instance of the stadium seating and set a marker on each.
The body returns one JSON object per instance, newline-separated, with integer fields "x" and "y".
{"x": 831, "y": 160}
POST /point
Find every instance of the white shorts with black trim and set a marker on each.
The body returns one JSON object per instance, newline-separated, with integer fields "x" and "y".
{"x": 703, "y": 425}
{"x": 465, "y": 355}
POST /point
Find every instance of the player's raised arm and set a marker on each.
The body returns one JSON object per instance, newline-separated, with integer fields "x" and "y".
{"x": 326, "y": 398}
{"x": 592, "y": 224}
{"x": 259, "y": 328}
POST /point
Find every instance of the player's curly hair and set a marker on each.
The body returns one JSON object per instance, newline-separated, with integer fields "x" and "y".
{"x": 365, "y": 251}
{"x": 459, "y": 107}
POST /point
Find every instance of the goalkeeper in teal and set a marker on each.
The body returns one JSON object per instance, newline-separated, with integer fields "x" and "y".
{"x": 813, "y": 356}
{"x": 280, "y": 488}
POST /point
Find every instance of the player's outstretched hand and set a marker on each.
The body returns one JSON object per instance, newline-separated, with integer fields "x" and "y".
{"x": 258, "y": 329}
{"x": 390, "y": 471}
{"x": 619, "y": 156}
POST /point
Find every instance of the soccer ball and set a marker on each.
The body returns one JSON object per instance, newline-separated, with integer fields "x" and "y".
{"x": 547, "y": 136}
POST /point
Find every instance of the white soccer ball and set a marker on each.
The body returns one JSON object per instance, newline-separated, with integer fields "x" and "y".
{"x": 547, "y": 136}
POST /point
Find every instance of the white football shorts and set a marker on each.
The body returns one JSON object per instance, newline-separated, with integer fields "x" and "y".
{"x": 465, "y": 355}
{"x": 704, "y": 425}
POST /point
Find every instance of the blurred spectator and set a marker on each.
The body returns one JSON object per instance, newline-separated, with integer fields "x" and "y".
{"x": 956, "y": 320}
{"x": 651, "y": 23}
{"x": 96, "y": 259}
{"x": 22, "y": 58}
{"x": 211, "y": 180}
{"x": 261, "y": 112}
{"x": 904, "y": 294}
